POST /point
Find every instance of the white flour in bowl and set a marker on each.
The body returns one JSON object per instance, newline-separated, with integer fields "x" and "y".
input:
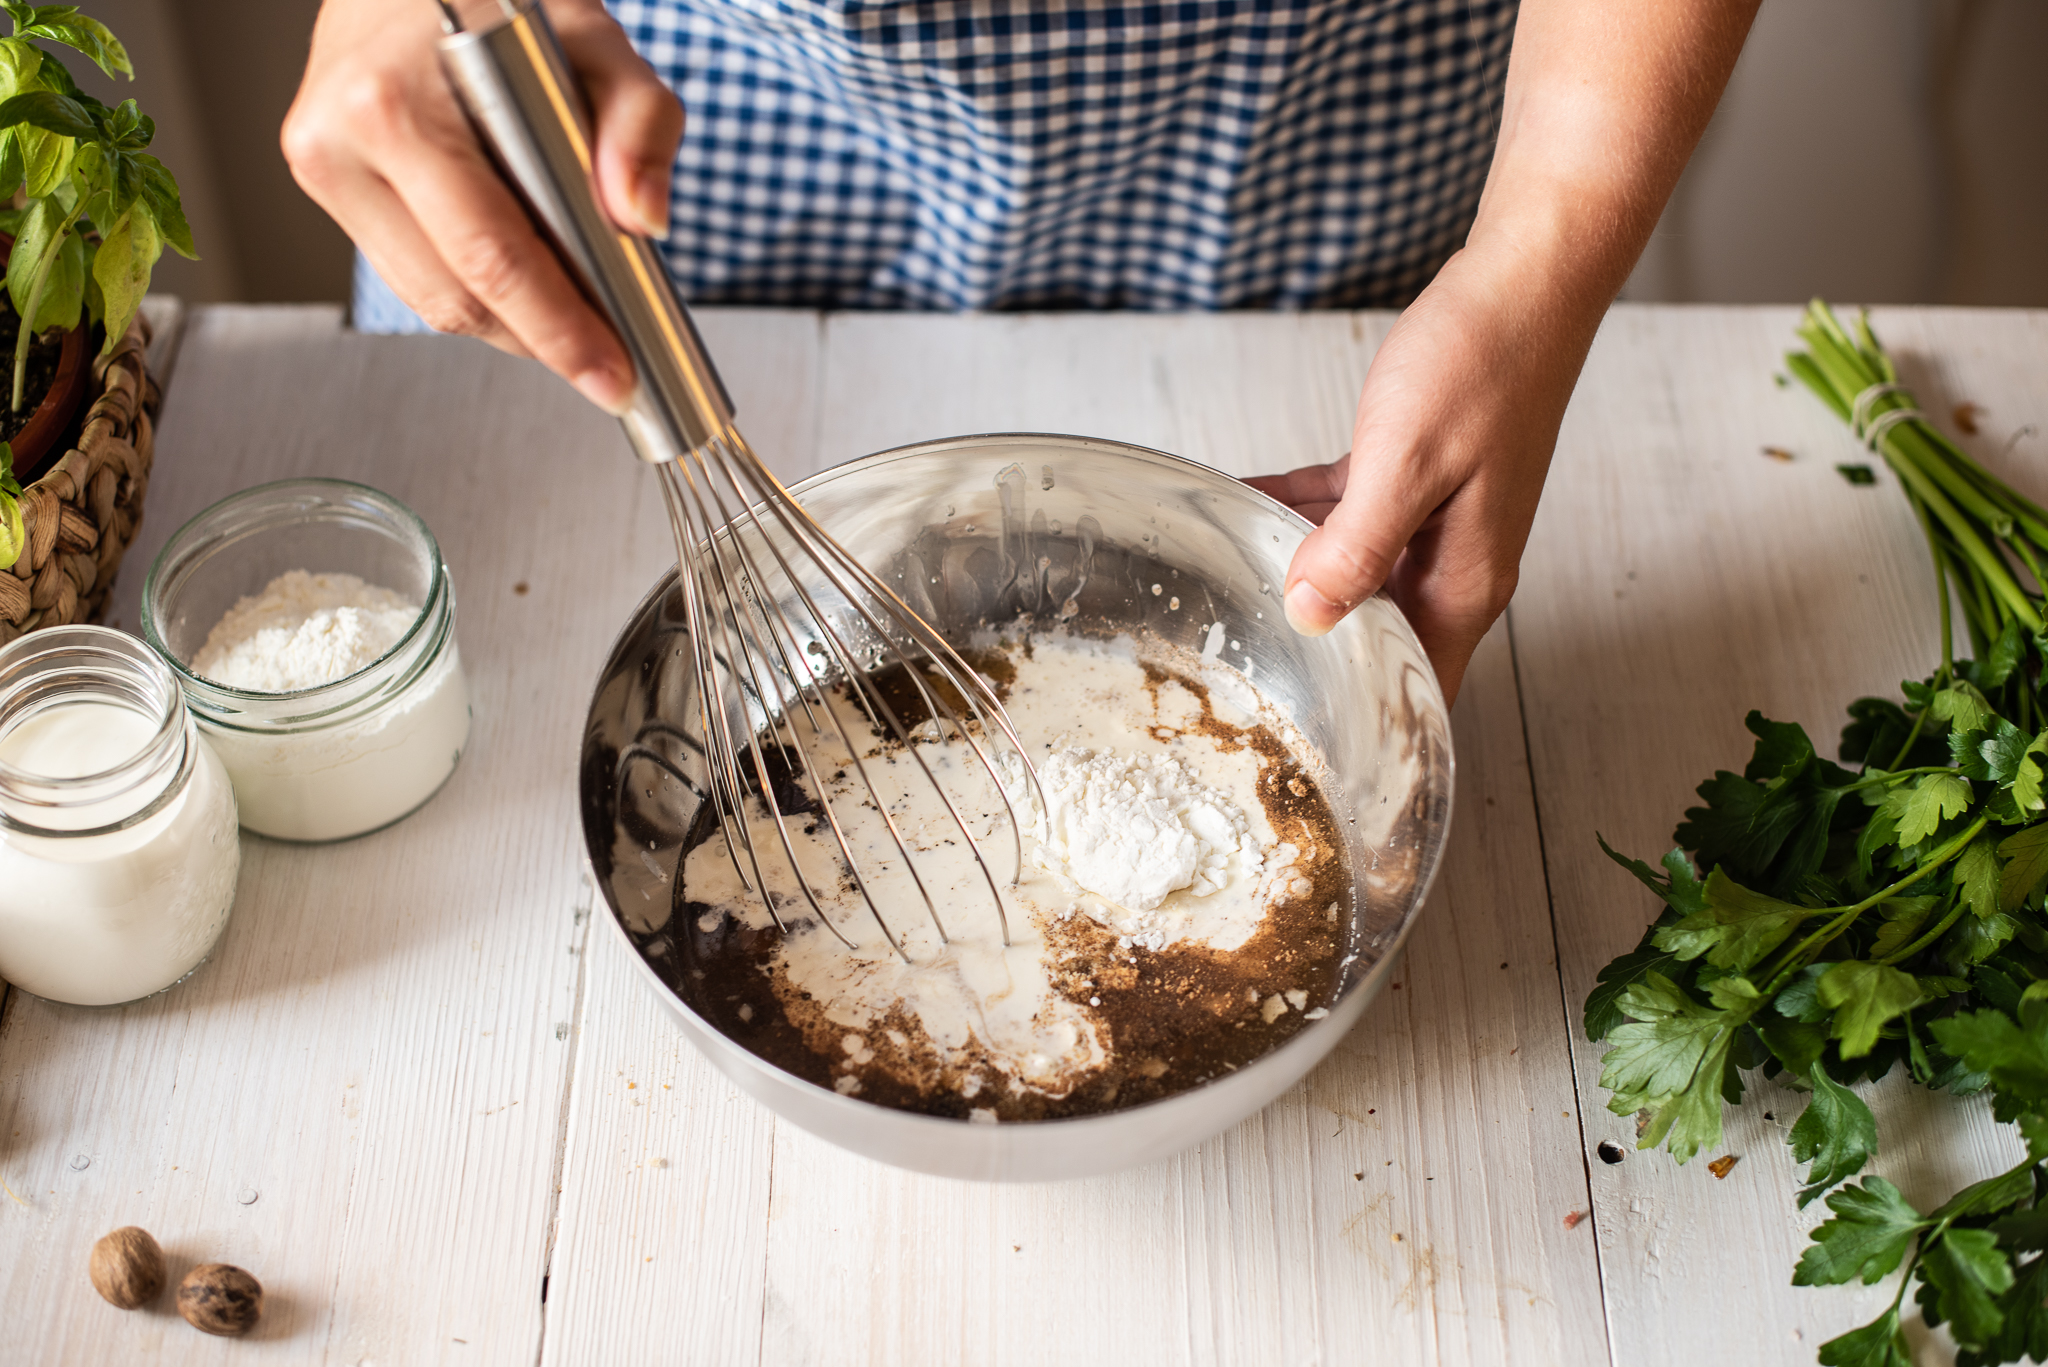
{"x": 1179, "y": 911}
{"x": 1132, "y": 828}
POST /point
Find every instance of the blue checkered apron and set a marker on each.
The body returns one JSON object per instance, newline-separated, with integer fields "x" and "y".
{"x": 1023, "y": 154}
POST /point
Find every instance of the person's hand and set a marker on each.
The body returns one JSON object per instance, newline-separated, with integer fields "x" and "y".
{"x": 1454, "y": 432}
{"x": 377, "y": 138}
{"x": 1462, "y": 404}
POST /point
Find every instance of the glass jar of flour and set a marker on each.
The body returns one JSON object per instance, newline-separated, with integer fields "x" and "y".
{"x": 118, "y": 850}
{"x": 312, "y": 625}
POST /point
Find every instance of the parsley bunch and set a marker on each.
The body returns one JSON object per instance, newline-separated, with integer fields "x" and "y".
{"x": 1844, "y": 921}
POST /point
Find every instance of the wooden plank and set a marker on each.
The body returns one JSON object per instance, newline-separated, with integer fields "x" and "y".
{"x": 1676, "y": 579}
{"x": 360, "y": 1097}
{"x": 1410, "y": 1195}
{"x": 662, "y": 1235}
{"x": 1447, "y": 1119}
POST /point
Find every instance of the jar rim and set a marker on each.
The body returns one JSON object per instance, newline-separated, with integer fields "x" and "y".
{"x": 199, "y": 530}
{"x": 121, "y": 653}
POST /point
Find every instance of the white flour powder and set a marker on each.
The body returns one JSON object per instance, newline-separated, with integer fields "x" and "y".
{"x": 368, "y": 760}
{"x": 301, "y": 631}
{"x": 1135, "y": 828}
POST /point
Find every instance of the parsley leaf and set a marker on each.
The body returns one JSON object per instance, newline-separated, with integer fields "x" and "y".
{"x": 2026, "y": 868}
{"x": 1976, "y": 873}
{"x": 2025, "y": 1332}
{"x": 1992, "y": 754}
{"x": 1724, "y": 831}
{"x": 1903, "y": 917}
{"x": 1681, "y": 893}
{"x": 1864, "y": 996}
{"x": 1880, "y": 1343}
{"x": 1972, "y": 940}
{"x": 1961, "y": 705}
{"x": 1992, "y": 1043}
{"x": 1734, "y": 927}
{"x": 1836, "y": 1134}
{"x": 1877, "y": 728}
{"x": 1783, "y": 749}
{"x": 1998, "y": 1192}
{"x": 1679, "y": 889}
{"x": 1961, "y": 1275}
{"x": 1603, "y": 1003}
{"x": 2027, "y": 778}
{"x": 1671, "y": 1058}
{"x": 1868, "y": 1236}
{"x": 2004, "y": 656}
{"x": 1922, "y": 808}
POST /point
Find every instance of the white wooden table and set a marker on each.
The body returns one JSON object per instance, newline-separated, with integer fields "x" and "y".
{"x": 439, "y": 1118}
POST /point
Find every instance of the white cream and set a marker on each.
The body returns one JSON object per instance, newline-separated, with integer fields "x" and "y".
{"x": 1206, "y": 871}
{"x": 333, "y": 782}
{"x": 105, "y": 918}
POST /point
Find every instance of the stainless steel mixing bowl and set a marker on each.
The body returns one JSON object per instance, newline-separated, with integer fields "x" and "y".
{"x": 1072, "y": 530}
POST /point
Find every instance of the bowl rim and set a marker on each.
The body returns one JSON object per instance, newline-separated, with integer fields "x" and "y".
{"x": 1318, "y": 1037}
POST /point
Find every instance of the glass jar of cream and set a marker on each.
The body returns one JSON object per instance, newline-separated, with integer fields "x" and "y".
{"x": 118, "y": 850}
{"x": 333, "y": 759}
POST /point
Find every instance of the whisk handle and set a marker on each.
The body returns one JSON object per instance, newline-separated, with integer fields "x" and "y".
{"x": 530, "y": 109}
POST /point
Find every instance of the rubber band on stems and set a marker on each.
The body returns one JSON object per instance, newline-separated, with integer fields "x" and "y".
{"x": 1872, "y": 428}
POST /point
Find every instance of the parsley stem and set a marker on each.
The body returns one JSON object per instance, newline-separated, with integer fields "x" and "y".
{"x": 1982, "y": 559}
{"x": 1948, "y": 634}
{"x": 1940, "y": 929}
{"x": 1906, "y": 1277}
{"x": 2026, "y": 555}
{"x": 1919, "y": 721}
{"x": 1970, "y": 503}
{"x": 1796, "y": 958}
{"x": 1890, "y": 775}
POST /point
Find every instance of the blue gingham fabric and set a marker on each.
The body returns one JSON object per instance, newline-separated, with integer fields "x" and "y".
{"x": 1014, "y": 154}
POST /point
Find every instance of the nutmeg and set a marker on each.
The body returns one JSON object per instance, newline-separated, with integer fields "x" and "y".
{"x": 220, "y": 1299}
{"x": 128, "y": 1267}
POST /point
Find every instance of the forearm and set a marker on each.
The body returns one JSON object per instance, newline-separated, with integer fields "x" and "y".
{"x": 1461, "y": 407}
{"x": 1604, "y": 104}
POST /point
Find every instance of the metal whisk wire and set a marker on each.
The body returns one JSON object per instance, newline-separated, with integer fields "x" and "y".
{"x": 749, "y": 651}
{"x": 751, "y": 664}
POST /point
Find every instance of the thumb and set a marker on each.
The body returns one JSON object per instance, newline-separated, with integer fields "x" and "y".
{"x": 639, "y": 123}
{"x": 1343, "y": 562}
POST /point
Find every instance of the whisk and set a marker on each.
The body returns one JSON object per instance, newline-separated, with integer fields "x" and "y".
{"x": 763, "y": 584}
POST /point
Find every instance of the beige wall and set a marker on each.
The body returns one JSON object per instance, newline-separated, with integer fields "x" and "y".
{"x": 1868, "y": 150}
{"x": 1871, "y": 151}
{"x": 217, "y": 75}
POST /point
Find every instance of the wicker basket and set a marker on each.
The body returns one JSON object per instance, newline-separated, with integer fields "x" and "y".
{"x": 81, "y": 515}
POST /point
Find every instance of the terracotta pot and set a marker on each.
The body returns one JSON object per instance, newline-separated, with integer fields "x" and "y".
{"x": 37, "y": 444}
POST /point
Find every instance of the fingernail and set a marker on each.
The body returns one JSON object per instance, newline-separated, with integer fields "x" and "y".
{"x": 609, "y": 389}
{"x": 650, "y": 202}
{"x": 1309, "y": 612}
